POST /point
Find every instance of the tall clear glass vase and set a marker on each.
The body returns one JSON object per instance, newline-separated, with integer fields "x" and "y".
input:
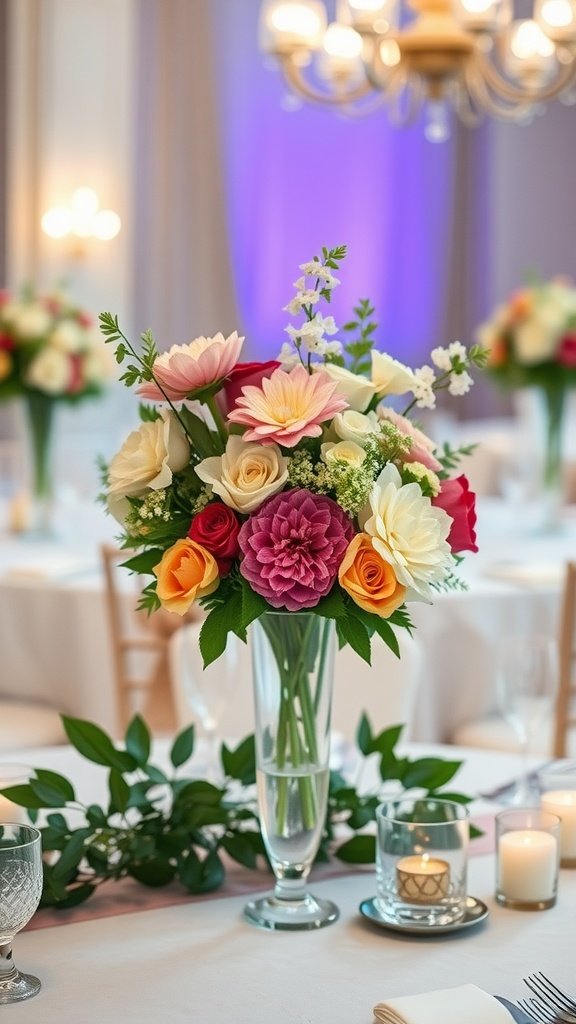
{"x": 39, "y": 411}
{"x": 293, "y": 671}
{"x": 553, "y": 406}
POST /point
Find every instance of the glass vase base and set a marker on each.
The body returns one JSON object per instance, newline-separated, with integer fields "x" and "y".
{"x": 302, "y": 914}
{"x": 15, "y": 990}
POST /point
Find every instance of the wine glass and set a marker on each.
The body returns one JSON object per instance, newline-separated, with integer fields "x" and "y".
{"x": 20, "y": 891}
{"x": 527, "y": 680}
{"x": 207, "y": 691}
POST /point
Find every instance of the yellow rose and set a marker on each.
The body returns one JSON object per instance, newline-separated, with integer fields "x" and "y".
{"x": 246, "y": 474}
{"x": 186, "y": 572}
{"x": 148, "y": 458}
{"x": 368, "y": 579}
{"x": 344, "y": 451}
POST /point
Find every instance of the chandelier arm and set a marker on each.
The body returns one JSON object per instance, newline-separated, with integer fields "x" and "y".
{"x": 463, "y": 105}
{"x": 295, "y": 79}
{"x": 484, "y": 99}
{"x": 514, "y": 94}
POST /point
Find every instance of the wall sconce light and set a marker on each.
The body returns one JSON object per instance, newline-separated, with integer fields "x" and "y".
{"x": 81, "y": 218}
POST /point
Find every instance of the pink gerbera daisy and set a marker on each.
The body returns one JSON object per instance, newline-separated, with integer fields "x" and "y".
{"x": 287, "y": 407}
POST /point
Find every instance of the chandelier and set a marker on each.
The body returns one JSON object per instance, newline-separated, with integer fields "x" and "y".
{"x": 472, "y": 56}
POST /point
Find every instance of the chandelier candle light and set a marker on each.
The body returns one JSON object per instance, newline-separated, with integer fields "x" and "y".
{"x": 288, "y": 497}
{"x": 472, "y": 56}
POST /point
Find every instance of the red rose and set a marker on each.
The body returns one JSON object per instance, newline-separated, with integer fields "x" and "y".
{"x": 459, "y": 502}
{"x": 216, "y": 529}
{"x": 242, "y": 375}
{"x": 7, "y": 343}
{"x": 567, "y": 351}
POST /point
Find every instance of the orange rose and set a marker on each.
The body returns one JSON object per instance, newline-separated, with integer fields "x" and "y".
{"x": 498, "y": 353}
{"x": 186, "y": 572}
{"x": 370, "y": 580}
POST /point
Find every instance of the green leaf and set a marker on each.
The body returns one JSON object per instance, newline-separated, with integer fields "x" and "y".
{"x": 241, "y": 850}
{"x": 386, "y": 741}
{"x": 240, "y": 763}
{"x": 153, "y": 873}
{"x": 48, "y": 794}
{"x": 144, "y": 562}
{"x": 253, "y": 605}
{"x": 353, "y": 632}
{"x": 95, "y": 745}
{"x": 222, "y": 620}
{"x": 429, "y": 773}
{"x": 57, "y": 783}
{"x": 199, "y": 791}
{"x": 364, "y": 736}
{"x": 332, "y": 606}
{"x": 358, "y": 850}
{"x": 23, "y": 796}
{"x": 387, "y": 634}
{"x": 65, "y": 867}
{"x": 79, "y": 894}
{"x": 119, "y": 791}
{"x": 96, "y": 816}
{"x": 183, "y": 747}
{"x": 58, "y": 823}
{"x": 202, "y": 875}
{"x": 138, "y": 740}
{"x": 156, "y": 775}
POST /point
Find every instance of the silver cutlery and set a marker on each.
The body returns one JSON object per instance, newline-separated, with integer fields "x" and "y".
{"x": 551, "y": 1004}
{"x": 507, "y": 787}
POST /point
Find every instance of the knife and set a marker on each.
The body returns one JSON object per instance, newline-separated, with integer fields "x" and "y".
{"x": 519, "y": 1016}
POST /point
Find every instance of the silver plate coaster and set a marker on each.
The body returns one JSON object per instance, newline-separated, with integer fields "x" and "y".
{"x": 476, "y": 911}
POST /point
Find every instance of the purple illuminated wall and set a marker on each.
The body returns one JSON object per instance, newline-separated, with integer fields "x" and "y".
{"x": 298, "y": 180}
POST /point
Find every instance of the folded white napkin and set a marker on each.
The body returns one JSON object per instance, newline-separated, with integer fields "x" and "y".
{"x": 465, "y": 1004}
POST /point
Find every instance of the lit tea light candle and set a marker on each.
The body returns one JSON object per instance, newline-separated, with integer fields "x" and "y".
{"x": 422, "y": 879}
{"x": 12, "y": 775}
{"x": 527, "y": 865}
{"x": 563, "y": 803}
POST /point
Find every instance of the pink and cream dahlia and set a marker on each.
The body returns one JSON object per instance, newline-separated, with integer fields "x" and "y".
{"x": 287, "y": 407}
{"x": 185, "y": 370}
{"x": 292, "y": 548}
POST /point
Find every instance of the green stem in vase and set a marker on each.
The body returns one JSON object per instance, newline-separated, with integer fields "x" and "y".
{"x": 40, "y": 409}
{"x": 554, "y": 398}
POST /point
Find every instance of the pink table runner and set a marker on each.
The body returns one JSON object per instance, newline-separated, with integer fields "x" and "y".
{"x": 130, "y": 897}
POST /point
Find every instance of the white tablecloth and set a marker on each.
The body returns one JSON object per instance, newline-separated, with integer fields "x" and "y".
{"x": 202, "y": 962}
{"x": 55, "y": 645}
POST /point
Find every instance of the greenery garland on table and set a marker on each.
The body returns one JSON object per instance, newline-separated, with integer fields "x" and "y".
{"x": 159, "y": 827}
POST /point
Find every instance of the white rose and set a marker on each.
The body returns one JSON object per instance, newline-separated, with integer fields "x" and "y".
{"x": 49, "y": 371}
{"x": 68, "y": 336}
{"x": 32, "y": 322}
{"x": 148, "y": 458}
{"x": 390, "y": 377}
{"x": 355, "y": 426}
{"x": 357, "y": 390}
{"x": 98, "y": 365}
{"x": 343, "y": 451}
{"x": 246, "y": 474}
{"x": 408, "y": 532}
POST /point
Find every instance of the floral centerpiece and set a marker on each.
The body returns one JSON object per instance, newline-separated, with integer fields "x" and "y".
{"x": 531, "y": 342}
{"x": 291, "y": 494}
{"x": 50, "y": 351}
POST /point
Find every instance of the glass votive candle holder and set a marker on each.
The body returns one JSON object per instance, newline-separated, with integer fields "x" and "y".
{"x": 421, "y": 861}
{"x": 13, "y": 775}
{"x": 527, "y": 859}
{"x": 558, "y": 796}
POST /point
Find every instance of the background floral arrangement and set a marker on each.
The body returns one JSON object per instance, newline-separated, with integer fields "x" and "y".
{"x": 50, "y": 347}
{"x": 290, "y": 484}
{"x": 531, "y": 338}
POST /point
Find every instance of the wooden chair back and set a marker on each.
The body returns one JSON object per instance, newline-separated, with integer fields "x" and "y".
{"x": 139, "y": 651}
{"x": 565, "y": 716}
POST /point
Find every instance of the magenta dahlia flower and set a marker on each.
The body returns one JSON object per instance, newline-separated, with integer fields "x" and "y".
{"x": 293, "y": 546}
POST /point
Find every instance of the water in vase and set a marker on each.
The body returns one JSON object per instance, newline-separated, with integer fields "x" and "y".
{"x": 291, "y": 822}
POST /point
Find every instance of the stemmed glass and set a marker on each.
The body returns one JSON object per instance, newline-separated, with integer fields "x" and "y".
{"x": 207, "y": 691}
{"x": 20, "y": 891}
{"x": 527, "y": 680}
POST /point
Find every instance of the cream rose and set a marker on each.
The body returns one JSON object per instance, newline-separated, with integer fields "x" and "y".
{"x": 355, "y": 426}
{"x": 408, "y": 532}
{"x": 148, "y": 458}
{"x": 32, "y": 322}
{"x": 536, "y": 338}
{"x": 50, "y": 371}
{"x": 68, "y": 336}
{"x": 390, "y": 377}
{"x": 246, "y": 474}
{"x": 343, "y": 451}
{"x": 357, "y": 390}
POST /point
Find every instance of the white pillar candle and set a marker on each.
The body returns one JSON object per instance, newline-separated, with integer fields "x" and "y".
{"x": 8, "y": 810}
{"x": 422, "y": 879}
{"x": 563, "y": 803}
{"x": 527, "y": 865}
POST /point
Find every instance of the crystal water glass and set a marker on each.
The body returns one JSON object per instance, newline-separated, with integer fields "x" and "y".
{"x": 20, "y": 891}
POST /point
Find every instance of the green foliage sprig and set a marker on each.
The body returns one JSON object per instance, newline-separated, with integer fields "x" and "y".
{"x": 160, "y": 826}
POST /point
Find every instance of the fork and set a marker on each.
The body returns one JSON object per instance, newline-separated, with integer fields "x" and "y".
{"x": 551, "y": 998}
{"x": 535, "y": 1010}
